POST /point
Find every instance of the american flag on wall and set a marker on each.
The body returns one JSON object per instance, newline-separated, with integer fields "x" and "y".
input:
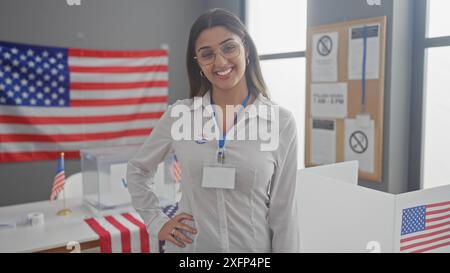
{"x": 426, "y": 228}
{"x": 64, "y": 99}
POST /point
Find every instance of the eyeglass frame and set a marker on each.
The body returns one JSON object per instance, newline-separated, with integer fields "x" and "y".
{"x": 220, "y": 52}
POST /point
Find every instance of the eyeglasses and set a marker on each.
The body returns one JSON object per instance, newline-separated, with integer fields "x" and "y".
{"x": 228, "y": 50}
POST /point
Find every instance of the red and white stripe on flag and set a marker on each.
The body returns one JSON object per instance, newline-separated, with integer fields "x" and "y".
{"x": 124, "y": 233}
{"x": 60, "y": 178}
{"x": 58, "y": 185}
{"x": 103, "y": 98}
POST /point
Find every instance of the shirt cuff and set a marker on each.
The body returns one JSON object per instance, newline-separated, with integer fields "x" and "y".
{"x": 153, "y": 229}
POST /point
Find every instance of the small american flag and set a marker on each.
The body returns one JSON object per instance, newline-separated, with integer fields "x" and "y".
{"x": 60, "y": 179}
{"x": 64, "y": 99}
{"x": 426, "y": 228}
{"x": 175, "y": 169}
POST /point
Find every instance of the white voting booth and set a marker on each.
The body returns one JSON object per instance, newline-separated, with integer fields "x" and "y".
{"x": 337, "y": 215}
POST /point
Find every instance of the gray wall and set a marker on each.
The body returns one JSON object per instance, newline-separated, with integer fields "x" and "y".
{"x": 398, "y": 77}
{"x": 107, "y": 24}
{"x": 231, "y": 5}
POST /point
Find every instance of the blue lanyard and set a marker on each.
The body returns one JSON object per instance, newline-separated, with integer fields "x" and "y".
{"x": 223, "y": 137}
{"x": 364, "y": 65}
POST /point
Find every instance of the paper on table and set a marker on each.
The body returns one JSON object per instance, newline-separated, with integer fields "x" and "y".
{"x": 8, "y": 223}
{"x": 356, "y": 49}
{"x": 329, "y": 100}
{"x": 359, "y": 144}
{"x": 324, "y": 57}
{"x": 323, "y": 142}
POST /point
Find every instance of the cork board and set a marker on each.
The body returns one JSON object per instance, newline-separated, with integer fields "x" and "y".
{"x": 374, "y": 103}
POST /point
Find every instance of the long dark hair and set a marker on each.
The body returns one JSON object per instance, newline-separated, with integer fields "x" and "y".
{"x": 220, "y": 17}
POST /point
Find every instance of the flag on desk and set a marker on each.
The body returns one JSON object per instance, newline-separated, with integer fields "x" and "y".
{"x": 124, "y": 233}
{"x": 426, "y": 228}
{"x": 65, "y": 99}
{"x": 60, "y": 179}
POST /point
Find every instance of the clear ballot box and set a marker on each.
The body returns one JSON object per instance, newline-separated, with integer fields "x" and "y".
{"x": 105, "y": 189}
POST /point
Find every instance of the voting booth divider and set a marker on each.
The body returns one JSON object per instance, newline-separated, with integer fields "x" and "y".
{"x": 337, "y": 215}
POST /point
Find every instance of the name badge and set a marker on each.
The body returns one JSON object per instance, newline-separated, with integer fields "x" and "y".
{"x": 218, "y": 176}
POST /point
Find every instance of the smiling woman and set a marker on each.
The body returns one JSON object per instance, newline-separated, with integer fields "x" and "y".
{"x": 237, "y": 196}
{"x": 209, "y": 31}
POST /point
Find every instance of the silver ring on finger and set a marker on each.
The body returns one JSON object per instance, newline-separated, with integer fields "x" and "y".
{"x": 173, "y": 232}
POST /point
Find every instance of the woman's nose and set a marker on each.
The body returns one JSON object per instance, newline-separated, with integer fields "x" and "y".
{"x": 220, "y": 60}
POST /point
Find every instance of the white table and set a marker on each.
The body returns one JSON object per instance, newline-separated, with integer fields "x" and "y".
{"x": 56, "y": 232}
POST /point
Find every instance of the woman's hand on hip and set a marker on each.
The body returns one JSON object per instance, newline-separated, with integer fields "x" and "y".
{"x": 171, "y": 231}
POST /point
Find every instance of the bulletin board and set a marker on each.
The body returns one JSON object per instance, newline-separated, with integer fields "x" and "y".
{"x": 345, "y": 81}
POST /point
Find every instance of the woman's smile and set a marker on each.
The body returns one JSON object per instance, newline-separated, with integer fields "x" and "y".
{"x": 224, "y": 74}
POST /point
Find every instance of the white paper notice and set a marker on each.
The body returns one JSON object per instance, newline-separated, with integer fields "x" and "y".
{"x": 356, "y": 52}
{"x": 324, "y": 57}
{"x": 329, "y": 100}
{"x": 323, "y": 142}
{"x": 359, "y": 145}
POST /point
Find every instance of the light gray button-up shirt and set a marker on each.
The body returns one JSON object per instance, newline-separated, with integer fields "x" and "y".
{"x": 259, "y": 215}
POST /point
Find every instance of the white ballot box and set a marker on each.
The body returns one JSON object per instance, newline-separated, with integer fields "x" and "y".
{"x": 337, "y": 215}
{"x": 105, "y": 189}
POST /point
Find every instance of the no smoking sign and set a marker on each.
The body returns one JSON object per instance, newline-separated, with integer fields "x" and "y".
{"x": 325, "y": 46}
{"x": 359, "y": 143}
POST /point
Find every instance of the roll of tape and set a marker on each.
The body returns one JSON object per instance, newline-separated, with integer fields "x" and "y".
{"x": 36, "y": 219}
